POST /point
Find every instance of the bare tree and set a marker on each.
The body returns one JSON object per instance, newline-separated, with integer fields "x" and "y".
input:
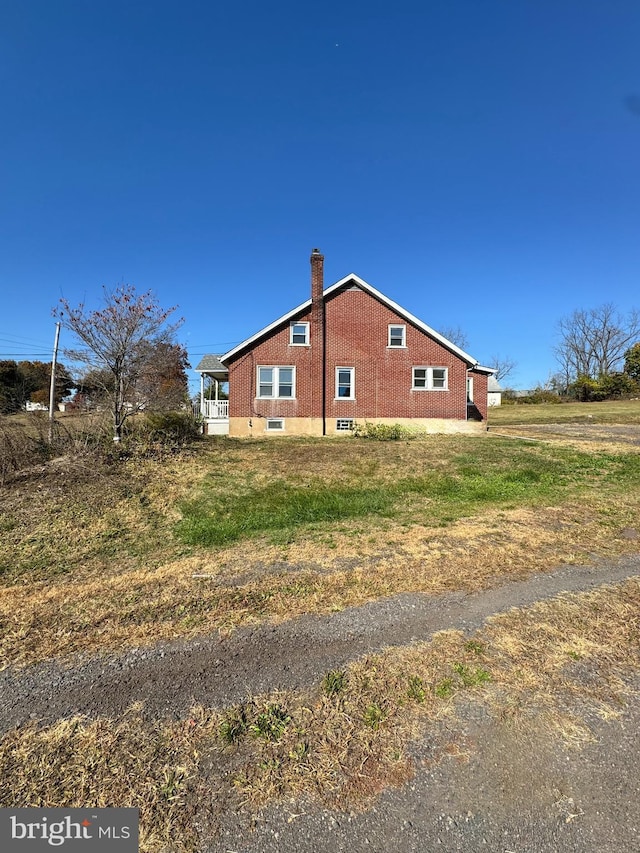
{"x": 504, "y": 366}
{"x": 593, "y": 342}
{"x": 456, "y": 335}
{"x": 117, "y": 339}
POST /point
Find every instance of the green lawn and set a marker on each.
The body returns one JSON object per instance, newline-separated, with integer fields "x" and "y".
{"x": 608, "y": 412}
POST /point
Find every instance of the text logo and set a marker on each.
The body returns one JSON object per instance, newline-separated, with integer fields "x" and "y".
{"x": 74, "y": 830}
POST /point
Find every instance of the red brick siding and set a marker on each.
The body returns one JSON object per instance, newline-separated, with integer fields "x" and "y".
{"x": 277, "y": 351}
{"x": 480, "y": 382}
{"x": 356, "y": 336}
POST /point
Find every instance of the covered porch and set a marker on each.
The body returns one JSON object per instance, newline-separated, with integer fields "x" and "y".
{"x": 213, "y": 405}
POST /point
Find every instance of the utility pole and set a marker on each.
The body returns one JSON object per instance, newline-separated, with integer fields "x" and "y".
{"x": 52, "y": 389}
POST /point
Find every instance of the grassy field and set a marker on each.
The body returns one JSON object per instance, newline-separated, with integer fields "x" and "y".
{"x": 100, "y": 557}
{"x": 104, "y": 556}
{"x": 609, "y": 412}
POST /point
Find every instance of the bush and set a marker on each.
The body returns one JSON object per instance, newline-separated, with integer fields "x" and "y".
{"x": 539, "y": 395}
{"x": 385, "y": 432}
{"x": 170, "y": 429}
{"x": 610, "y": 387}
{"x": 22, "y": 445}
{"x": 619, "y": 385}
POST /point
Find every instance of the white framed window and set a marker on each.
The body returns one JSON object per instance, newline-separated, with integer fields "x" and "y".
{"x": 344, "y": 424}
{"x": 430, "y": 379}
{"x": 275, "y": 425}
{"x": 276, "y": 383}
{"x": 299, "y": 334}
{"x": 397, "y": 336}
{"x": 345, "y": 388}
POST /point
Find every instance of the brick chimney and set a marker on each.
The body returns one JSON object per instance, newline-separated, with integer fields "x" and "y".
{"x": 317, "y": 275}
{"x": 318, "y": 370}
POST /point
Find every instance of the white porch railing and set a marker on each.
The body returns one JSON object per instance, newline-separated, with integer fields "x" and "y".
{"x": 215, "y": 409}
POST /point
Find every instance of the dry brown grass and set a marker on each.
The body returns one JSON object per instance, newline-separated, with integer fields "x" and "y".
{"x": 141, "y": 606}
{"x": 548, "y": 668}
{"x": 101, "y": 570}
{"x": 127, "y": 762}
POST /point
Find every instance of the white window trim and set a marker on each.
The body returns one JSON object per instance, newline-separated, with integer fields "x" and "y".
{"x": 403, "y": 345}
{"x": 274, "y": 429}
{"x": 429, "y": 377}
{"x": 352, "y": 371}
{"x": 276, "y": 381}
{"x": 307, "y": 340}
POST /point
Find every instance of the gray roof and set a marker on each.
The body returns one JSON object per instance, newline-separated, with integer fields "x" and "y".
{"x": 493, "y": 386}
{"x": 211, "y": 364}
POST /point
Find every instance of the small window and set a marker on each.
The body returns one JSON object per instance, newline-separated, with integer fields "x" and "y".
{"x": 344, "y": 383}
{"x": 344, "y": 424}
{"x": 430, "y": 379}
{"x": 276, "y": 382}
{"x": 397, "y": 336}
{"x": 275, "y": 425}
{"x": 299, "y": 334}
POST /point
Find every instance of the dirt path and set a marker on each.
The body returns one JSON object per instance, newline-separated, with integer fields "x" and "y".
{"x": 171, "y": 677}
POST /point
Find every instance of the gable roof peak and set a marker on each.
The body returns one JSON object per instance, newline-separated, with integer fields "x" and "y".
{"x": 367, "y": 288}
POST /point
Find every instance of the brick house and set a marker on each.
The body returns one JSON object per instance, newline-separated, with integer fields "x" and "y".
{"x": 348, "y": 354}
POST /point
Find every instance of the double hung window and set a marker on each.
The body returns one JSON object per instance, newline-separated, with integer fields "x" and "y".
{"x": 345, "y": 389}
{"x": 430, "y": 379}
{"x": 397, "y": 336}
{"x": 299, "y": 334}
{"x": 276, "y": 383}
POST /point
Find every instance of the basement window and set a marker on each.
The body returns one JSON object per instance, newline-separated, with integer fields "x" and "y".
{"x": 275, "y": 425}
{"x": 344, "y": 424}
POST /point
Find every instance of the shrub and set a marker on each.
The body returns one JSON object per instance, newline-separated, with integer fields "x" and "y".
{"x": 385, "y": 432}
{"x": 22, "y": 445}
{"x": 170, "y": 429}
{"x": 619, "y": 385}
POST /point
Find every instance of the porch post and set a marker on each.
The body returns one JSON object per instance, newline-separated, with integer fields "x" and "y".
{"x": 202, "y": 393}
{"x": 217, "y": 384}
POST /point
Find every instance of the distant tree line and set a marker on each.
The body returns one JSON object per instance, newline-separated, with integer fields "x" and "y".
{"x": 24, "y": 381}
{"x": 598, "y": 353}
{"x": 161, "y": 383}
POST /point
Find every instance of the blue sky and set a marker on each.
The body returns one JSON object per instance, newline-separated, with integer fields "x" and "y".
{"x": 478, "y": 161}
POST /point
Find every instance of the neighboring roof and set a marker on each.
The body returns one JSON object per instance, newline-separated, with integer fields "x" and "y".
{"x": 493, "y": 386}
{"x": 211, "y": 363}
{"x": 352, "y": 277}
